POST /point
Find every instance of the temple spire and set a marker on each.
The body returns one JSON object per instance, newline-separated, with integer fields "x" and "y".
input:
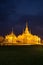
{"x": 26, "y": 24}
{"x": 26, "y": 29}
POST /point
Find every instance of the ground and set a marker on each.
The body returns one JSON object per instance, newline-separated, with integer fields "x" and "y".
{"x": 21, "y": 55}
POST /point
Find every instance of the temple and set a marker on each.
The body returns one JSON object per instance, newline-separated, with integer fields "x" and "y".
{"x": 26, "y": 38}
{"x": 10, "y": 39}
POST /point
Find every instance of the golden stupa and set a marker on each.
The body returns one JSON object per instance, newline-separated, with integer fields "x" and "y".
{"x": 10, "y": 39}
{"x": 26, "y": 38}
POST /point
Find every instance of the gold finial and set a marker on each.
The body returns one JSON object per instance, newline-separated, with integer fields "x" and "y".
{"x": 26, "y": 25}
{"x": 26, "y": 29}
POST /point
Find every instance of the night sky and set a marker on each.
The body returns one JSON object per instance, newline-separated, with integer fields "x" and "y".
{"x": 15, "y": 13}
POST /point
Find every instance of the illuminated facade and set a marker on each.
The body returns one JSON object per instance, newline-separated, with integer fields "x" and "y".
{"x": 28, "y": 38}
{"x": 25, "y": 38}
{"x": 10, "y": 39}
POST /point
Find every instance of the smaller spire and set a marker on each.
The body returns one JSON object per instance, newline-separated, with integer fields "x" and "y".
{"x": 26, "y": 25}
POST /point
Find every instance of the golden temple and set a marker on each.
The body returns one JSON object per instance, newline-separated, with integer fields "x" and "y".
{"x": 26, "y": 38}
